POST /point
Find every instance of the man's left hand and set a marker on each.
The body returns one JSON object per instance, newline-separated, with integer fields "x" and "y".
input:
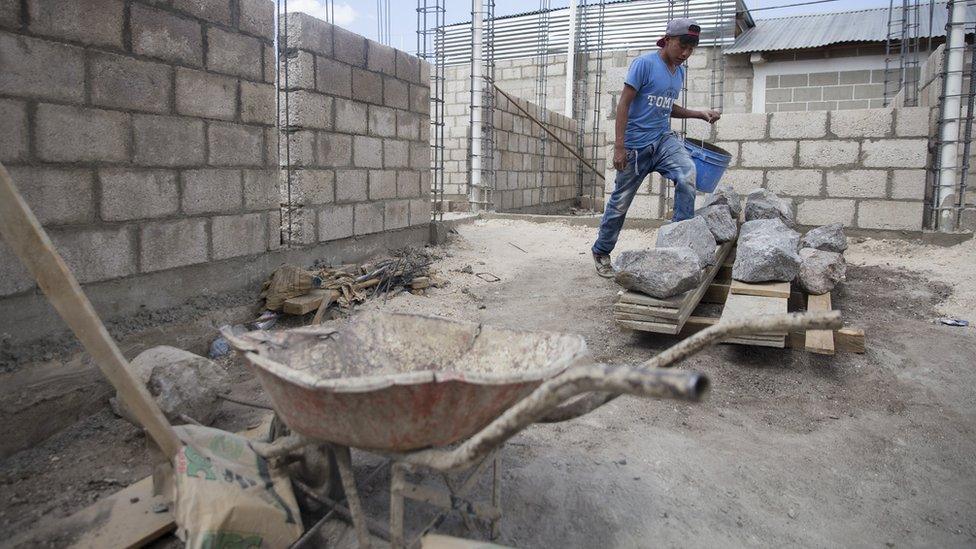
{"x": 710, "y": 116}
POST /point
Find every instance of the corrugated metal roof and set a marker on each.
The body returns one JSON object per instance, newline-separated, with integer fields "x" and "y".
{"x": 824, "y": 29}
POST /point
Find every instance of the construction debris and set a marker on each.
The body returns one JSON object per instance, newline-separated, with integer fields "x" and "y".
{"x": 658, "y": 272}
{"x": 691, "y": 233}
{"x": 829, "y": 238}
{"x": 766, "y": 252}
{"x": 764, "y": 204}
{"x": 724, "y": 194}
{"x": 719, "y": 219}
{"x": 820, "y": 270}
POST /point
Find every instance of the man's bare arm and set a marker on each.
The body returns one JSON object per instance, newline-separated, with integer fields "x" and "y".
{"x": 623, "y": 107}
{"x": 710, "y": 116}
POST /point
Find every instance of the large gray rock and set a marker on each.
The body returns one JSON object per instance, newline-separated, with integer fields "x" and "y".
{"x": 658, "y": 272}
{"x": 181, "y": 382}
{"x": 829, "y": 238}
{"x": 820, "y": 270}
{"x": 691, "y": 233}
{"x": 766, "y": 252}
{"x": 719, "y": 220}
{"x": 764, "y": 204}
{"x": 725, "y": 194}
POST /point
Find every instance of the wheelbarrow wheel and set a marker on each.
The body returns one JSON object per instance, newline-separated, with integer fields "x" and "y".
{"x": 314, "y": 466}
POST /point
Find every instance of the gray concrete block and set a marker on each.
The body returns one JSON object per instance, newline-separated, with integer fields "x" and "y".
{"x": 828, "y": 153}
{"x": 396, "y": 214}
{"x": 806, "y": 125}
{"x": 351, "y": 116}
{"x": 160, "y": 34}
{"x": 407, "y": 67}
{"x": 793, "y": 80}
{"x": 127, "y": 83}
{"x": 312, "y": 187}
{"x": 855, "y": 77}
{"x": 382, "y": 121}
{"x": 894, "y": 153}
{"x": 137, "y": 194}
{"x": 9, "y": 18}
{"x": 420, "y": 99}
{"x": 13, "y": 130}
{"x": 868, "y": 91}
{"x": 96, "y": 254}
{"x": 826, "y": 211}
{"x": 297, "y": 148}
{"x": 381, "y": 58}
{"x": 913, "y": 121}
{"x": 169, "y": 244}
{"x": 736, "y": 127}
{"x": 274, "y": 230}
{"x": 168, "y": 140}
{"x": 408, "y": 184}
{"x": 260, "y": 189}
{"x": 419, "y": 211}
{"x": 309, "y": 110}
{"x": 96, "y": 22}
{"x": 419, "y": 155}
{"x": 257, "y": 17}
{"x": 205, "y": 94}
{"x": 270, "y": 64}
{"x": 857, "y": 183}
{"x": 368, "y": 218}
{"x": 334, "y": 149}
{"x": 298, "y": 226}
{"x": 408, "y": 125}
{"x": 233, "y": 53}
{"x": 235, "y": 144}
{"x": 861, "y": 123}
{"x": 308, "y": 33}
{"x": 368, "y": 86}
{"x": 258, "y": 102}
{"x": 297, "y": 71}
{"x": 14, "y": 277}
{"x": 74, "y": 134}
{"x": 216, "y": 11}
{"x": 349, "y": 47}
{"x": 795, "y": 182}
{"x": 396, "y": 153}
{"x": 382, "y": 184}
{"x": 211, "y": 191}
{"x": 26, "y": 66}
{"x": 890, "y": 215}
{"x": 396, "y": 93}
{"x": 239, "y": 235}
{"x": 335, "y": 222}
{"x": 908, "y": 184}
{"x": 773, "y": 154}
{"x": 57, "y": 196}
{"x": 333, "y": 77}
{"x": 351, "y": 185}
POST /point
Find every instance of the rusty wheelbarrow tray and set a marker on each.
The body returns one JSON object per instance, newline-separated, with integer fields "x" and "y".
{"x": 391, "y": 368}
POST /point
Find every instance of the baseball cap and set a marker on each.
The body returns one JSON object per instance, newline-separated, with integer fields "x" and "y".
{"x": 681, "y": 27}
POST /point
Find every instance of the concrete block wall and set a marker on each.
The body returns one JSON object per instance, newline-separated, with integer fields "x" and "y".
{"x": 863, "y": 168}
{"x": 140, "y": 132}
{"x": 357, "y": 122}
{"x": 826, "y": 91}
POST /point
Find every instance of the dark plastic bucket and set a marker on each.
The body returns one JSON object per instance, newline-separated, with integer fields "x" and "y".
{"x": 710, "y": 163}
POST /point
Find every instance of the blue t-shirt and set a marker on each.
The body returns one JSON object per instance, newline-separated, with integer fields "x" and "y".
{"x": 657, "y": 88}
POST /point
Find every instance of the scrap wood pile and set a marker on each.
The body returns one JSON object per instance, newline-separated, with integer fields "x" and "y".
{"x": 298, "y": 291}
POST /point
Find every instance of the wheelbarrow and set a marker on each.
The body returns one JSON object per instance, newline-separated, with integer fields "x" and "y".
{"x": 443, "y": 395}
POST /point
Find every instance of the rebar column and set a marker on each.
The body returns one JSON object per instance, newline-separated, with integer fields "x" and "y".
{"x": 946, "y": 188}
{"x": 475, "y": 196}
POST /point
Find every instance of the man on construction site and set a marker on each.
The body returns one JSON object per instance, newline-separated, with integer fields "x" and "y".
{"x": 644, "y": 140}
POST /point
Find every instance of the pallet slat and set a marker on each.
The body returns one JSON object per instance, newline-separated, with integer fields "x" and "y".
{"x": 763, "y": 289}
{"x": 819, "y": 341}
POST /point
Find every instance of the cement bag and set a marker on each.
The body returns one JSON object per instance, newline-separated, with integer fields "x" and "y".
{"x": 227, "y": 496}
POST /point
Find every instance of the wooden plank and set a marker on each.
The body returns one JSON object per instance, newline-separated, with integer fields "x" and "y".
{"x": 819, "y": 341}
{"x": 717, "y": 292}
{"x": 649, "y": 326}
{"x": 656, "y": 312}
{"x": 740, "y": 306}
{"x": 694, "y": 299}
{"x": 307, "y": 303}
{"x": 778, "y": 344}
{"x": 637, "y": 298}
{"x": 850, "y": 340}
{"x": 619, "y": 315}
{"x": 764, "y": 289}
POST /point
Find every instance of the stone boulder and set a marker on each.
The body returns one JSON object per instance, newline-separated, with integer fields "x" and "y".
{"x": 766, "y": 252}
{"x": 658, "y": 272}
{"x": 719, "y": 220}
{"x": 764, "y": 204}
{"x": 691, "y": 233}
{"x": 820, "y": 270}
{"x": 829, "y": 238}
{"x": 724, "y": 194}
{"x": 180, "y": 381}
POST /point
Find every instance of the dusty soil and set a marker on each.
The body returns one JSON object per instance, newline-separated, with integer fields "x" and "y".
{"x": 788, "y": 449}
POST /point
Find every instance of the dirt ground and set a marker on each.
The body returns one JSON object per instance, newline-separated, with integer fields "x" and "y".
{"x": 789, "y": 448}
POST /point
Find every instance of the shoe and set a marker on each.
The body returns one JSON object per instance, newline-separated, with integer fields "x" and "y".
{"x": 603, "y": 267}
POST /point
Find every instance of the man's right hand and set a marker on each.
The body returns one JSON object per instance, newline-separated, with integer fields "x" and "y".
{"x": 619, "y": 158}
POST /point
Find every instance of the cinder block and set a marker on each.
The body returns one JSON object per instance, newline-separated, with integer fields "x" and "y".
{"x": 382, "y": 184}
{"x": 309, "y": 110}
{"x": 258, "y": 101}
{"x": 57, "y": 196}
{"x": 298, "y": 226}
{"x": 335, "y": 222}
{"x": 274, "y": 230}
{"x": 408, "y": 184}
{"x": 333, "y": 77}
{"x": 380, "y": 58}
{"x": 408, "y": 126}
{"x": 913, "y": 121}
{"x": 407, "y": 67}
{"x": 349, "y": 47}
{"x": 168, "y": 140}
{"x": 257, "y": 17}
{"x": 235, "y": 144}
{"x": 96, "y": 22}
{"x": 738, "y": 127}
{"x": 351, "y": 185}
{"x": 297, "y": 71}
{"x": 205, "y": 94}
{"x": 211, "y": 191}
{"x": 334, "y": 149}
{"x": 396, "y": 154}
{"x": 9, "y": 18}
{"x": 270, "y": 65}
{"x": 368, "y": 152}
{"x": 743, "y": 180}
{"x": 137, "y": 194}
{"x": 826, "y": 211}
{"x": 311, "y": 187}
{"x": 795, "y": 182}
{"x": 308, "y": 33}
{"x": 420, "y": 155}
{"x": 861, "y": 123}
{"x": 233, "y": 53}
{"x": 14, "y": 277}
{"x": 396, "y": 93}
{"x": 382, "y": 121}
{"x": 239, "y": 235}
{"x": 216, "y": 11}
{"x": 160, "y": 34}
{"x": 297, "y": 148}
{"x": 857, "y": 183}
{"x": 420, "y": 99}
{"x": 396, "y": 214}
{"x": 169, "y": 244}
{"x": 776, "y": 154}
{"x": 13, "y": 130}
{"x": 828, "y": 153}
{"x": 74, "y": 134}
{"x": 368, "y": 86}
{"x": 895, "y": 153}
{"x": 891, "y": 215}
{"x": 260, "y": 189}
{"x": 419, "y": 211}
{"x": 127, "y": 83}
{"x": 26, "y": 66}
{"x": 368, "y": 218}
{"x": 350, "y": 116}
{"x": 908, "y": 184}
{"x": 96, "y": 254}
{"x": 798, "y": 125}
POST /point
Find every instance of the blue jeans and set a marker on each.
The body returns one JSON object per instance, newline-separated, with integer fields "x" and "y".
{"x": 666, "y": 156}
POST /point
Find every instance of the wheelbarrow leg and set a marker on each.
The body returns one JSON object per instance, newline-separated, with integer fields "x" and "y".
{"x": 344, "y": 460}
{"x": 496, "y": 496}
{"x": 397, "y": 479}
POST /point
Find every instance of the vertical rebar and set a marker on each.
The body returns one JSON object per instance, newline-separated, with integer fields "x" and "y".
{"x": 580, "y": 88}
{"x": 476, "y": 112}
{"x": 595, "y": 142}
{"x": 717, "y": 62}
{"x": 542, "y": 88}
{"x": 488, "y": 143}
{"x": 430, "y": 46}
